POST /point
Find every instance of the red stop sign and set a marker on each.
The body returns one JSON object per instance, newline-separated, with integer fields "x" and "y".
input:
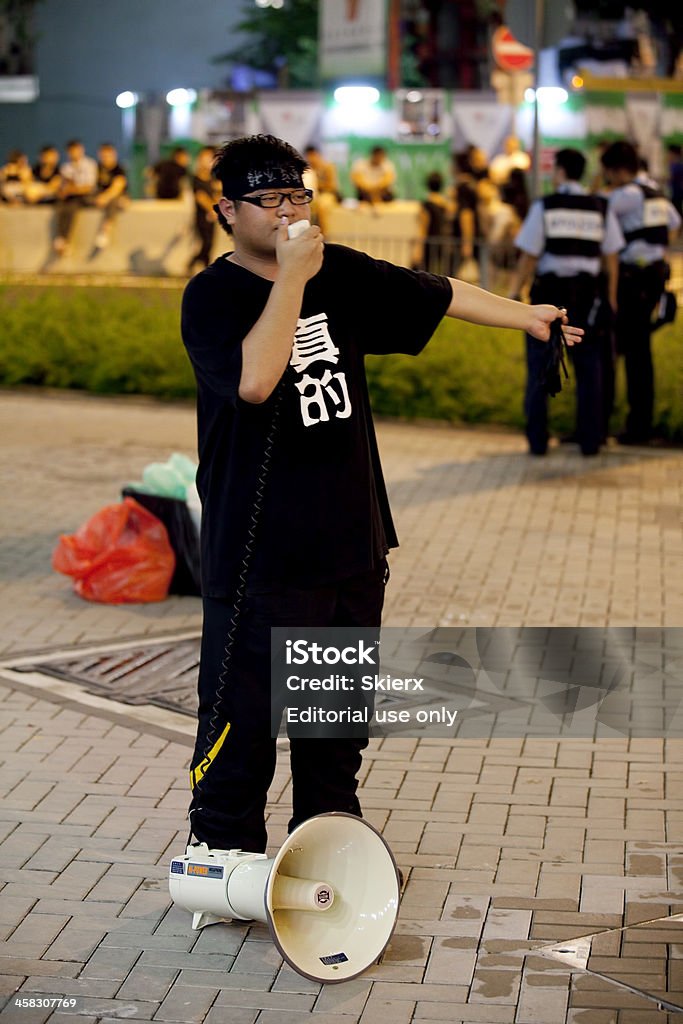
{"x": 508, "y": 53}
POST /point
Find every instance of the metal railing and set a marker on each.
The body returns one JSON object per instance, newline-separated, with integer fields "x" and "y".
{"x": 443, "y": 255}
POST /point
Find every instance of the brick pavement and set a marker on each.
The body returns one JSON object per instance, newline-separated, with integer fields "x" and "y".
{"x": 508, "y": 845}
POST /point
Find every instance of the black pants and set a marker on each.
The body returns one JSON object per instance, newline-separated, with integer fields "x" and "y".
{"x": 204, "y": 230}
{"x": 67, "y": 209}
{"x": 581, "y": 297}
{"x": 639, "y": 291}
{"x": 229, "y": 799}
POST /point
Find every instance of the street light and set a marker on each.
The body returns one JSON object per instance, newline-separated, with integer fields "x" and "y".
{"x": 359, "y": 96}
{"x": 548, "y": 95}
{"x": 181, "y": 97}
{"x": 126, "y": 99}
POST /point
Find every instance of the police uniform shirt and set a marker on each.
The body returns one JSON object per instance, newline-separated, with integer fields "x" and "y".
{"x": 531, "y": 239}
{"x": 634, "y": 211}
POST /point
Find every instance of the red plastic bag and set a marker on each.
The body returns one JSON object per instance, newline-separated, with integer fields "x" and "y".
{"x": 121, "y": 555}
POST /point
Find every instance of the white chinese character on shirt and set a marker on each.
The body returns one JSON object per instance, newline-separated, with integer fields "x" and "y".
{"x": 312, "y": 342}
{"x": 313, "y": 405}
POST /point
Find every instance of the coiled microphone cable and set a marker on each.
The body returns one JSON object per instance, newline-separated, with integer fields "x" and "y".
{"x": 240, "y": 593}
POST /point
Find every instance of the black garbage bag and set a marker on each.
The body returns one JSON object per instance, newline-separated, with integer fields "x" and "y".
{"x": 182, "y": 533}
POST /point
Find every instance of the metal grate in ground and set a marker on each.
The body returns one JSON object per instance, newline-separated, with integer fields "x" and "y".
{"x": 644, "y": 960}
{"x": 162, "y": 673}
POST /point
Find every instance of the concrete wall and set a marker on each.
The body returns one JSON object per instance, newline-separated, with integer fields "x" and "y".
{"x": 152, "y": 238}
{"x": 87, "y": 53}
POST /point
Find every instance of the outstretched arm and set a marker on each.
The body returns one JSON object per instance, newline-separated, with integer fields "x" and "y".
{"x": 478, "y": 306}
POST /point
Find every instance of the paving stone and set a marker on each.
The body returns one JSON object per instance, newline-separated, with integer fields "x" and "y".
{"x": 349, "y": 998}
{"x": 378, "y": 1011}
{"x": 76, "y": 941}
{"x": 257, "y": 957}
{"x": 237, "y": 1016}
{"x": 280, "y": 1001}
{"x": 187, "y": 1005}
{"x": 70, "y": 987}
{"x": 147, "y": 982}
{"x": 199, "y": 976}
{"x": 289, "y": 980}
{"x": 543, "y": 999}
{"x": 452, "y": 960}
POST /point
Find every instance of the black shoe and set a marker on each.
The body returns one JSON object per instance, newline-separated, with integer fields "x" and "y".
{"x": 590, "y": 452}
{"x": 537, "y": 451}
{"x": 569, "y": 438}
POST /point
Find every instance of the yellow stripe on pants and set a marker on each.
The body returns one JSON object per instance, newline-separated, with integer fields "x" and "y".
{"x": 201, "y": 769}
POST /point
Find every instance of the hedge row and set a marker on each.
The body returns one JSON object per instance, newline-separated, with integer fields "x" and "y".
{"x": 126, "y": 341}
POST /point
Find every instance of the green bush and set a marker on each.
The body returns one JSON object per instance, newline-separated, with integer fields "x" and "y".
{"x": 110, "y": 341}
{"x": 127, "y": 341}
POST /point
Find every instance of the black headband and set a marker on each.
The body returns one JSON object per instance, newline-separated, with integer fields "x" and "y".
{"x": 268, "y": 175}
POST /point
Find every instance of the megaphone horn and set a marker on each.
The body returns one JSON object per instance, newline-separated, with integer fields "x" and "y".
{"x": 330, "y": 896}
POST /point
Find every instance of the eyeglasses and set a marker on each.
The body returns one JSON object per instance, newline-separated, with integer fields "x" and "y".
{"x": 269, "y": 200}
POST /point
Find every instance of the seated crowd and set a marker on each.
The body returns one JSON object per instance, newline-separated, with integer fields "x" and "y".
{"x": 80, "y": 181}
{"x": 481, "y": 203}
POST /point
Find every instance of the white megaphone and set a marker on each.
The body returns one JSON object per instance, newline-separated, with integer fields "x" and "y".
{"x": 330, "y": 897}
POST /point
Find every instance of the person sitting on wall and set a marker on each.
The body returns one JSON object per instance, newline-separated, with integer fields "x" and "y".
{"x": 327, "y": 181}
{"x": 112, "y": 185}
{"x": 513, "y": 156}
{"x": 206, "y": 191}
{"x": 436, "y": 216}
{"x": 46, "y": 177}
{"x": 15, "y": 178}
{"x": 78, "y": 186}
{"x": 170, "y": 175}
{"x": 374, "y": 177}
{"x": 321, "y": 177}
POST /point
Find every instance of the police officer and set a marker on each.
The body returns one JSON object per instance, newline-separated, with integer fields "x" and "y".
{"x": 565, "y": 240}
{"x": 647, "y": 220}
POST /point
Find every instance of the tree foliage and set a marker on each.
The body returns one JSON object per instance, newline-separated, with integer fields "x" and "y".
{"x": 283, "y": 41}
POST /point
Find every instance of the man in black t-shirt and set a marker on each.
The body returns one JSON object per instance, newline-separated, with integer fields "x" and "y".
{"x": 277, "y": 332}
{"x": 112, "y": 186}
{"x": 204, "y": 190}
{"x": 170, "y": 175}
{"x": 46, "y": 176}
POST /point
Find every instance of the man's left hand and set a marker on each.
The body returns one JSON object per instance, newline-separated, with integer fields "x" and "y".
{"x": 540, "y": 319}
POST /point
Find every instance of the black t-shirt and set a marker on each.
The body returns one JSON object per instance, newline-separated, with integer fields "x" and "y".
{"x": 325, "y": 514}
{"x": 466, "y": 199}
{"x": 105, "y": 176}
{"x": 45, "y": 172}
{"x": 169, "y": 176}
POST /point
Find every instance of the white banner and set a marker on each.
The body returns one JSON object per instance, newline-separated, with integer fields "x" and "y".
{"x": 353, "y": 38}
{"x": 482, "y": 123}
{"x": 643, "y": 114}
{"x": 605, "y": 120}
{"x": 672, "y": 120}
{"x": 293, "y": 119}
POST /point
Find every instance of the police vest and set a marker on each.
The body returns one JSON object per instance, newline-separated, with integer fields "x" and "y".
{"x": 574, "y": 225}
{"x": 654, "y": 226}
